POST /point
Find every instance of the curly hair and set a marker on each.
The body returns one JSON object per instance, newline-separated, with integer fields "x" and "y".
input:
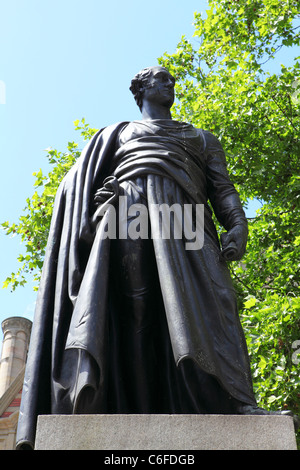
{"x": 140, "y": 82}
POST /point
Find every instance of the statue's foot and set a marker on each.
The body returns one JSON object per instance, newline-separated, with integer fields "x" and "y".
{"x": 256, "y": 410}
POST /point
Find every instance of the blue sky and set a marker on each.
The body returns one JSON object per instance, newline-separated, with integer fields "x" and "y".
{"x": 61, "y": 61}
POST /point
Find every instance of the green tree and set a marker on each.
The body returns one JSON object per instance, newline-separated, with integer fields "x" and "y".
{"x": 33, "y": 225}
{"x": 224, "y": 85}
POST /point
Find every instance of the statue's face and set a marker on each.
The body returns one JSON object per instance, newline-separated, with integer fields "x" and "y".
{"x": 160, "y": 87}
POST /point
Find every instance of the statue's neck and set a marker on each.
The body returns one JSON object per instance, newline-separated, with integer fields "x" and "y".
{"x": 152, "y": 111}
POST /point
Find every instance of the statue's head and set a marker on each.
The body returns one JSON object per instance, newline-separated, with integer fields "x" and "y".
{"x": 151, "y": 77}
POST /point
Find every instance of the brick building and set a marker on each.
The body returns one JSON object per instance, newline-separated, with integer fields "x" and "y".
{"x": 16, "y": 336}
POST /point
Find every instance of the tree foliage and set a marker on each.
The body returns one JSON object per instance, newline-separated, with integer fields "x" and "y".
{"x": 33, "y": 226}
{"x": 224, "y": 85}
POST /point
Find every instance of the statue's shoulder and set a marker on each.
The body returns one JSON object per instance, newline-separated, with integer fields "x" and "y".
{"x": 210, "y": 139}
{"x": 103, "y": 137}
{"x": 112, "y": 128}
{"x": 116, "y": 125}
{"x": 209, "y": 135}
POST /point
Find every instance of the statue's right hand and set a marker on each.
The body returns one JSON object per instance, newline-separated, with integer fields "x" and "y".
{"x": 109, "y": 190}
{"x": 102, "y": 195}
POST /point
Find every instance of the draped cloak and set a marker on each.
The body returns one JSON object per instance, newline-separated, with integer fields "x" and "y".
{"x": 70, "y": 349}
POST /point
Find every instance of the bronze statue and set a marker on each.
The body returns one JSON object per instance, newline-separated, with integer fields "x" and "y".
{"x": 132, "y": 321}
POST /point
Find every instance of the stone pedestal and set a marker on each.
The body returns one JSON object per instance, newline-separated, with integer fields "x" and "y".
{"x": 165, "y": 432}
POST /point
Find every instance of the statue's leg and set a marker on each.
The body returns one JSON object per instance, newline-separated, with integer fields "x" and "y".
{"x": 135, "y": 275}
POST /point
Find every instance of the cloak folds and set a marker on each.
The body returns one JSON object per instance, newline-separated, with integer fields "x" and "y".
{"x": 68, "y": 362}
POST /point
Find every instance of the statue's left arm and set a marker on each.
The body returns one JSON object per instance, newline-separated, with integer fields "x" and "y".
{"x": 225, "y": 201}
